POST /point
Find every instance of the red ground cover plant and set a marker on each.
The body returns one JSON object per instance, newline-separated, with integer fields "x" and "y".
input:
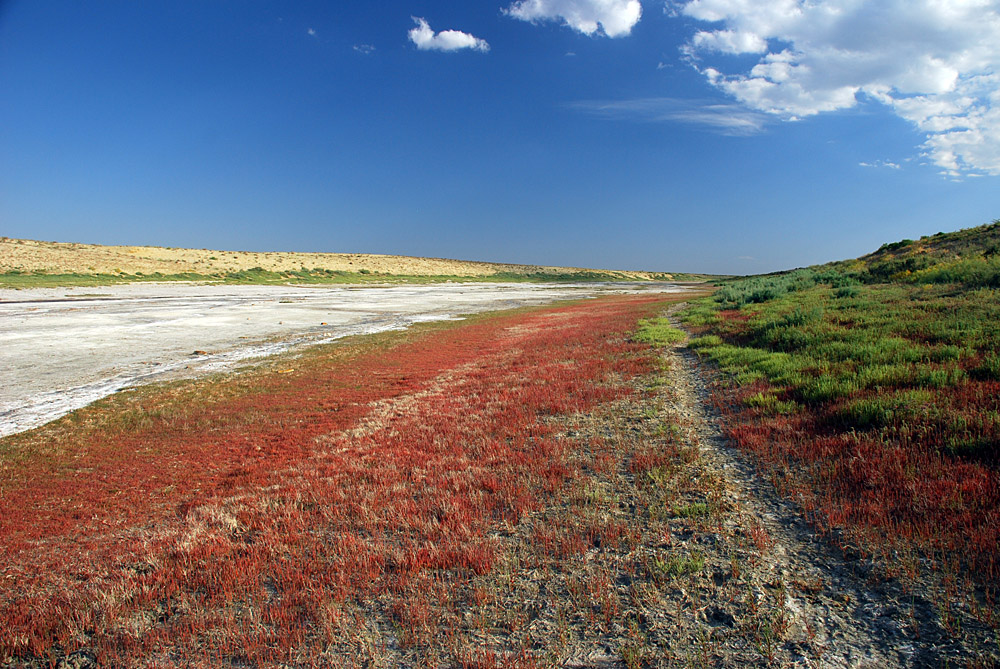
{"x": 246, "y": 521}
{"x": 895, "y": 495}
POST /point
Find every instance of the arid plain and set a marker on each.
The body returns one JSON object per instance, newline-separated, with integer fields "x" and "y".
{"x": 787, "y": 470}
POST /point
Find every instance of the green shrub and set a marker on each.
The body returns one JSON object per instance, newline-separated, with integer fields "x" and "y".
{"x": 989, "y": 368}
{"x": 969, "y": 271}
{"x": 929, "y": 377}
{"x": 708, "y": 341}
{"x": 882, "y": 410}
{"x": 757, "y": 290}
{"x": 825, "y": 388}
{"x": 771, "y": 404}
{"x": 692, "y": 510}
{"x": 675, "y": 566}
{"x": 659, "y": 332}
{"x": 846, "y": 291}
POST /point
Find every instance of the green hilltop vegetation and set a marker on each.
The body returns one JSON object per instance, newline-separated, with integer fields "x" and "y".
{"x": 968, "y": 258}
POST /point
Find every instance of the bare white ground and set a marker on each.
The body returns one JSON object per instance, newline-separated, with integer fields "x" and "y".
{"x": 63, "y": 348}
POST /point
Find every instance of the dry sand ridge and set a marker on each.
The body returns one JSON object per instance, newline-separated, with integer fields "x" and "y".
{"x": 27, "y": 255}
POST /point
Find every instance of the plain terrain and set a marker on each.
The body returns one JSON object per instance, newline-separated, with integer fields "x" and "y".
{"x": 798, "y": 469}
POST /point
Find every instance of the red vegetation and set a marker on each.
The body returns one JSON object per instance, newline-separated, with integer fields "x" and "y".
{"x": 246, "y": 523}
{"x": 892, "y": 490}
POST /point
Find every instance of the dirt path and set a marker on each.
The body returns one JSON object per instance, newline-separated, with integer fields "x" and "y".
{"x": 826, "y": 610}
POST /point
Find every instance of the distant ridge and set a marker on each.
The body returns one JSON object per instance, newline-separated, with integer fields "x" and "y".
{"x": 39, "y": 258}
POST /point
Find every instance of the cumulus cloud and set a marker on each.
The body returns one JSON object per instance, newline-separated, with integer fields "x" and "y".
{"x": 614, "y": 18}
{"x": 446, "y": 40}
{"x": 935, "y": 63}
{"x": 725, "y": 119}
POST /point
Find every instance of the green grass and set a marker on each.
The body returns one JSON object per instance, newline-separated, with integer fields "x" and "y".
{"x": 20, "y": 280}
{"x": 771, "y": 404}
{"x": 888, "y": 336}
{"x": 692, "y": 510}
{"x": 659, "y": 332}
{"x": 260, "y": 276}
{"x": 881, "y": 411}
{"x": 675, "y": 566}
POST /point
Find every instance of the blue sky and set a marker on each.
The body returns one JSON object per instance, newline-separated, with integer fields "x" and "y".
{"x": 701, "y": 135}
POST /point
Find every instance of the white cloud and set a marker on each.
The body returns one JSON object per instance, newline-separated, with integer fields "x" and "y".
{"x": 614, "y": 18}
{"x": 364, "y": 48}
{"x": 311, "y": 32}
{"x": 729, "y": 41}
{"x": 725, "y": 119}
{"x": 881, "y": 163}
{"x": 446, "y": 40}
{"x": 935, "y": 63}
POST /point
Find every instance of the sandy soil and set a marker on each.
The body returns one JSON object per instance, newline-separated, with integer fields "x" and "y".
{"x": 57, "y": 258}
{"x": 62, "y": 348}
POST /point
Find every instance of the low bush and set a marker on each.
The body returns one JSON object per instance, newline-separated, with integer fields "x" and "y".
{"x": 659, "y": 332}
